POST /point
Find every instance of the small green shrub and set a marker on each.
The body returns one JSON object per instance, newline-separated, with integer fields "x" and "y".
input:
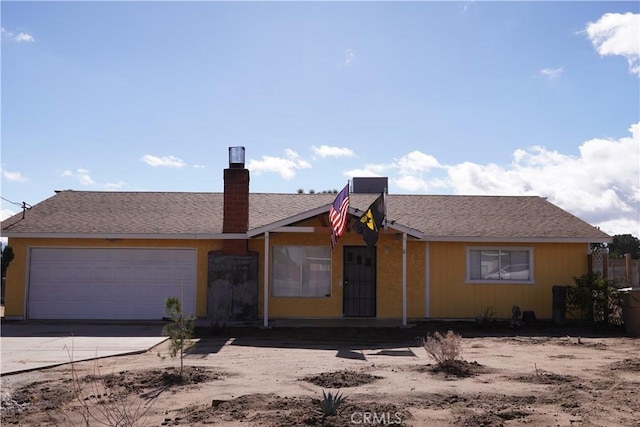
{"x": 594, "y": 298}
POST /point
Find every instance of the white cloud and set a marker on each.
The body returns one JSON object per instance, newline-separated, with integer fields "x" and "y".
{"x": 370, "y": 170}
{"x": 415, "y": 162}
{"x": 552, "y": 73}
{"x": 13, "y": 176}
{"x": 84, "y": 178}
{"x": 6, "y": 213}
{"x": 115, "y": 185}
{"x": 410, "y": 170}
{"x": 170, "y": 161}
{"x": 81, "y": 174}
{"x": 327, "y": 151}
{"x": 601, "y": 185}
{"x": 20, "y": 37}
{"x": 24, "y": 37}
{"x": 349, "y": 57}
{"x": 466, "y": 6}
{"x": 285, "y": 166}
{"x": 412, "y": 183}
{"x": 617, "y": 34}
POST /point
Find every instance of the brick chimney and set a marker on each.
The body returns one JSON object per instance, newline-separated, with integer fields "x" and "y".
{"x": 236, "y": 202}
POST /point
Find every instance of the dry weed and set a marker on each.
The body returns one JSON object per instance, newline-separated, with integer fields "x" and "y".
{"x": 444, "y": 349}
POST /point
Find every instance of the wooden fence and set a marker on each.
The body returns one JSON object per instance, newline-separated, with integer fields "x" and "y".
{"x": 625, "y": 271}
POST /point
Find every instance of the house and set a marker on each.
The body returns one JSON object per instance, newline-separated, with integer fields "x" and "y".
{"x": 239, "y": 256}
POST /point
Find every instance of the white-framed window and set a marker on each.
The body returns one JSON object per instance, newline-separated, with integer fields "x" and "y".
{"x": 499, "y": 264}
{"x": 301, "y": 271}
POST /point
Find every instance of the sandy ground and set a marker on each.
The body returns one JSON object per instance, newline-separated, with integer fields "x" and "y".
{"x": 271, "y": 378}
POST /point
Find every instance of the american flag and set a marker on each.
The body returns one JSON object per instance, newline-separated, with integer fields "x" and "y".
{"x": 338, "y": 215}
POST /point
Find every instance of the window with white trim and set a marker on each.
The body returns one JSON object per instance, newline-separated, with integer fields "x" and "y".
{"x": 492, "y": 264}
{"x": 301, "y": 271}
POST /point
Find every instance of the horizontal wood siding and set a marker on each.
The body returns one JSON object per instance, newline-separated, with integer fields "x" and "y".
{"x": 451, "y": 297}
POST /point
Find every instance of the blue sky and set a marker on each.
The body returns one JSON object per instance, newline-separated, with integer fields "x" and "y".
{"x": 514, "y": 98}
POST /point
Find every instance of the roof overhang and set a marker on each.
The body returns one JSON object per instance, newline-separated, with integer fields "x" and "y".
{"x": 292, "y": 229}
{"x": 120, "y": 236}
{"x": 284, "y": 226}
{"x": 497, "y": 239}
{"x": 281, "y": 225}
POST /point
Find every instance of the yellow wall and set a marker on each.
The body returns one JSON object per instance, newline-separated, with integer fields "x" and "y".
{"x": 451, "y": 297}
{"x": 389, "y": 276}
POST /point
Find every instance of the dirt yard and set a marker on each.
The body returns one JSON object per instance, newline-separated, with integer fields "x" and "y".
{"x": 539, "y": 376}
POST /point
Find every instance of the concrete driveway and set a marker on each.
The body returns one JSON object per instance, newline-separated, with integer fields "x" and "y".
{"x": 25, "y": 346}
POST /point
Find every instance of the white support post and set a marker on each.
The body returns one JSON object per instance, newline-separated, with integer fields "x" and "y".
{"x": 265, "y": 305}
{"x": 404, "y": 279}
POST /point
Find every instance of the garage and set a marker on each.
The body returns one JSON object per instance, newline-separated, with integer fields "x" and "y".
{"x": 109, "y": 283}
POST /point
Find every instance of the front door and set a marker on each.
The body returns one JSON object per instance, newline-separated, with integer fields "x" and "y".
{"x": 359, "y": 282}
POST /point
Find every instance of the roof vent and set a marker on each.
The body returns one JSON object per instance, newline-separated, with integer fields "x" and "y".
{"x": 376, "y": 184}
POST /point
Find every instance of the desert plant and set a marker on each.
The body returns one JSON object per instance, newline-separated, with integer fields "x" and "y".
{"x": 179, "y": 330}
{"x": 444, "y": 349}
{"x": 329, "y": 404}
{"x": 487, "y": 317}
{"x": 104, "y": 403}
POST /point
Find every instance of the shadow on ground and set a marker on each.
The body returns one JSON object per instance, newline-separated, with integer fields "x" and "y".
{"x": 349, "y": 340}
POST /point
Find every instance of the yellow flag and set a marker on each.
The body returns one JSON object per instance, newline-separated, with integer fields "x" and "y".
{"x": 367, "y": 220}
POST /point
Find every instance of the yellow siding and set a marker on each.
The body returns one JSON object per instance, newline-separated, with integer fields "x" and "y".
{"x": 389, "y": 276}
{"x": 451, "y": 297}
{"x": 300, "y": 307}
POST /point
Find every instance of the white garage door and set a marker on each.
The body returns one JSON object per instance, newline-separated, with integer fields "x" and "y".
{"x": 88, "y": 283}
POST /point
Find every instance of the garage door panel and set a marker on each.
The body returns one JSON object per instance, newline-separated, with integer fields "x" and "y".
{"x": 109, "y": 283}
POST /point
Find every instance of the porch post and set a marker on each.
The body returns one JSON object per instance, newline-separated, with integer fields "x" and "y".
{"x": 404, "y": 279}
{"x": 265, "y": 305}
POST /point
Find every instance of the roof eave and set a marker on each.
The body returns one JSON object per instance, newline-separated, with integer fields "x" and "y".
{"x": 274, "y": 226}
{"x": 498, "y": 239}
{"x": 120, "y": 236}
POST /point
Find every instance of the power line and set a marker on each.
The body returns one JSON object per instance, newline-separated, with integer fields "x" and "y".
{"x": 24, "y": 205}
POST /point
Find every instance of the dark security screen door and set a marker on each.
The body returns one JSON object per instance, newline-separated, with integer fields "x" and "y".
{"x": 359, "y": 285}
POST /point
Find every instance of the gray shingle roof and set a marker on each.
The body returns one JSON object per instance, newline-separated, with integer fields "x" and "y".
{"x": 435, "y": 217}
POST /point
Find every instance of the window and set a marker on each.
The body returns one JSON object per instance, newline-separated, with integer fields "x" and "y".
{"x": 301, "y": 271}
{"x": 500, "y": 265}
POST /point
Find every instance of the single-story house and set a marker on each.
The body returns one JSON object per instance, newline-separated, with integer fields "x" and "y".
{"x": 241, "y": 256}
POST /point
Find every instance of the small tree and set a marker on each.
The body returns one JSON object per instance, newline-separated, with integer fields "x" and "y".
{"x": 7, "y": 257}
{"x": 593, "y": 298}
{"x": 179, "y": 330}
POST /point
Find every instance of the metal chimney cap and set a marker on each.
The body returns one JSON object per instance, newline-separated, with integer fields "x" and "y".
{"x": 236, "y": 157}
